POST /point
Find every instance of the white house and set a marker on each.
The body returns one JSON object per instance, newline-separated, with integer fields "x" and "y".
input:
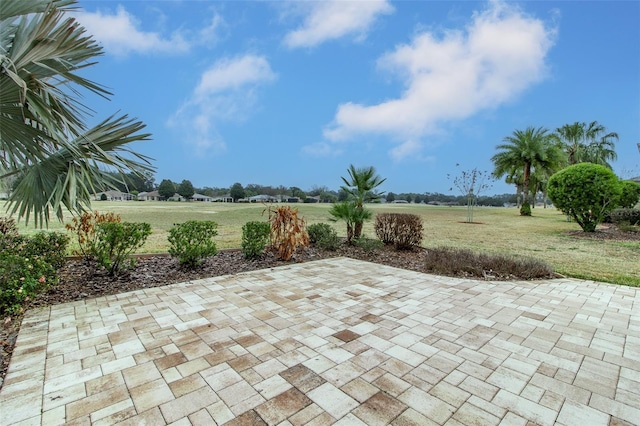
{"x": 222, "y": 199}
{"x": 113, "y": 195}
{"x": 149, "y": 196}
{"x": 203, "y": 198}
{"x": 262, "y": 198}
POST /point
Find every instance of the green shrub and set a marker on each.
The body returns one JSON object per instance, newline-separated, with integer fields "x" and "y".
{"x": 323, "y": 236}
{"x": 115, "y": 241}
{"x": 525, "y": 210}
{"x": 368, "y": 245}
{"x": 192, "y": 241}
{"x": 625, "y": 216}
{"x": 27, "y": 266}
{"x": 255, "y": 237}
{"x": 84, "y": 230}
{"x": 404, "y": 230}
{"x": 51, "y": 246}
{"x": 629, "y": 194}
{"x": 586, "y": 192}
{"x": 22, "y": 278}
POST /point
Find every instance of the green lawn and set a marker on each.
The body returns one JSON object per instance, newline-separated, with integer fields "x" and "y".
{"x": 501, "y": 230}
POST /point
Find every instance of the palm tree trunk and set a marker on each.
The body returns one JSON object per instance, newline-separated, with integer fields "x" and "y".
{"x": 358, "y": 230}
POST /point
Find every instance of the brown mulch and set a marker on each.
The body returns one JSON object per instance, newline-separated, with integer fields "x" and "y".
{"x": 607, "y": 232}
{"x": 79, "y": 280}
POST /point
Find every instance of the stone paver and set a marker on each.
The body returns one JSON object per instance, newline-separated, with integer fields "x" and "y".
{"x": 336, "y": 341}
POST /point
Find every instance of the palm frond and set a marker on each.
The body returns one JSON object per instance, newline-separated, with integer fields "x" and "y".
{"x": 68, "y": 177}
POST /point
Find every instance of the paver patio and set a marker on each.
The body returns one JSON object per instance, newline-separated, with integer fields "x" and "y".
{"x": 333, "y": 341}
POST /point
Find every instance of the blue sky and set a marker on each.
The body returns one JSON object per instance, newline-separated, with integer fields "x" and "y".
{"x": 291, "y": 93}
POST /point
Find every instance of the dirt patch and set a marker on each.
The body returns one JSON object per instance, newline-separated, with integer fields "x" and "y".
{"x": 607, "y": 232}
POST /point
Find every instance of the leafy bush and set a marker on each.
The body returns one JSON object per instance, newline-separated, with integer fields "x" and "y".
{"x": 368, "y": 245}
{"x": 625, "y": 216}
{"x": 586, "y": 192}
{"x": 456, "y": 262}
{"x": 404, "y": 230}
{"x": 255, "y": 236}
{"x": 525, "y": 209}
{"x": 115, "y": 241}
{"x": 84, "y": 229}
{"x": 287, "y": 231}
{"x": 27, "y": 266}
{"x": 323, "y": 235}
{"x": 629, "y": 194}
{"x": 22, "y": 277}
{"x": 51, "y": 246}
{"x": 192, "y": 241}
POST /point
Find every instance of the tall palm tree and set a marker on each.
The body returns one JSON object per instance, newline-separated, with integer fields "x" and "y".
{"x": 533, "y": 150}
{"x": 45, "y": 142}
{"x": 588, "y": 143}
{"x": 361, "y": 188}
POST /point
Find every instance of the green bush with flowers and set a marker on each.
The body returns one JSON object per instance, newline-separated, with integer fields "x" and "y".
{"x": 28, "y": 265}
{"x": 22, "y": 278}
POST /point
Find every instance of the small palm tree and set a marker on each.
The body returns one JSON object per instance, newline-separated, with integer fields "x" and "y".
{"x": 351, "y": 215}
{"x": 44, "y": 140}
{"x": 533, "y": 150}
{"x": 360, "y": 188}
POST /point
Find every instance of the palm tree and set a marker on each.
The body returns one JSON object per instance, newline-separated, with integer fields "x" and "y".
{"x": 44, "y": 140}
{"x": 533, "y": 150}
{"x": 348, "y": 212}
{"x": 588, "y": 143}
{"x": 361, "y": 188}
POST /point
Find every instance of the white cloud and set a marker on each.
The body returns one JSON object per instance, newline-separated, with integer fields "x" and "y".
{"x": 332, "y": 19}
{"x": 404, "y": 150}
{"x": 211, "y": 33}
{"x": 120, "y": 35}
{"x": 321, "y": 149}
{"x": 230, "y": 74}
{"x": 226, "y": 92}
{"x": 450, "y": 77}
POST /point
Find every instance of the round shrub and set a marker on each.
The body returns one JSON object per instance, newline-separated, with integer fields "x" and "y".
{"x": 255, "y": 237}
{"x": 404, "y": 230}
{"x": 586, "y": 192}
{"x": 629, "y": 194}
{"x": 323, "y": 235}
{"x": 192, "y": 241}
{"x": 22, "y": 278}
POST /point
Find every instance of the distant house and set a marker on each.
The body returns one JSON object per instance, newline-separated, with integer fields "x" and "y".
{"x": 113, "y": 195}
{"x": 262, "y": 198}
{"x": 202, "y": 198}
{"x": 149, "y": 196}
{"x": 400, "y": 202}
{"x": 222, "y": 199}
{"x": 176, "y": 197}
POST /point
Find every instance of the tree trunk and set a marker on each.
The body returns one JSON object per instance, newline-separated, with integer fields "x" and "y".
{"x": 357, "y": 230}
{"x": 349, "y": 232}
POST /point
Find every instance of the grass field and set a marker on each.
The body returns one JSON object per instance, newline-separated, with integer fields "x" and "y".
{"x": 501, "y": 230}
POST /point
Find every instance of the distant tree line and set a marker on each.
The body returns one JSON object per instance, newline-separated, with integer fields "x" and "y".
{"x": 168, "y": 188}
